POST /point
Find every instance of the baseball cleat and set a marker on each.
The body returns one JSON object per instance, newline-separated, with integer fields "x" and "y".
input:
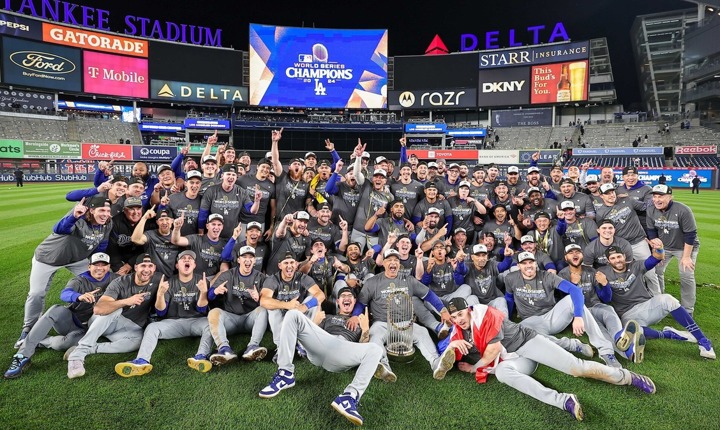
{"x": 199, "y": 363}
{"x": 301, "y": 351}
{"x": 611, "y": 361}
{"x": 21, "y": 340}
{"x": 76, "y": 369}
{"x": 572, "y": 405}
{"x": 281, "y": 381}
{"x": 628, "y": 335}
{"x": 383, "y": 372}
{"x": 445, "y": 363}
{"x": 254, "y": 353}
{"x": 137, "y": 367}
{"x": 346, "y": 405}
{"x": 584, "y": 349}
{"x": 642, "y": 382}
{"x": 681, "y": 335}
{"x": 442, "y": 330}
{"x": 640, "y": 342}
{"x": 69, "y": 351}
{"x": 706, "y": 350}
{"x": 224, "y": 355}
{"x": 18, "y": 365}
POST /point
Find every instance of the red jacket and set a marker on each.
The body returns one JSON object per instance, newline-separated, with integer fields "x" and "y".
{"x": 485, "y": 323}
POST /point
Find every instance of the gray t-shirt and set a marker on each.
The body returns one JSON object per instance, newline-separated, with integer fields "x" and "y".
{"x": 182, "y": 297}
{"x": 484, "y": 283}
{"x": 179, "y": 204}
{"x": 290, "y": 195}
{"x": 627, "y": 223}
{"x": 209, "y": 253}
{"x": 410, "y": 194}
{"x": 237, "y": 299}
{"x": 377, "y": 289}
{"x": 345, "y": 204}
{"x": 594, "y": 254}
{"x": 535, "y": 296}
{"x": 85, "y": 283}
{"x": 671, "y": 224}
{"x": 268, "y": 193}
{"x": 330, "y": 234}
{"x": 229, "y": 204}
{"x": 298, "y": 245}
{"x": 163, "y": 251}
{"x": 628, "y": 288}
{"x": 581, "y": 232}
{"x": 63, "y": 249}
{"x": 583, "y": 203}
{"x": 285, "y": 291}
{"x": 370, "y": 201}
{"x": 443, "y": 282}
{"x": 587, "y": 284}
{"x": 462, "y": 213}
{"x": 336, "y": 325}
{"x": 124, "y": 287}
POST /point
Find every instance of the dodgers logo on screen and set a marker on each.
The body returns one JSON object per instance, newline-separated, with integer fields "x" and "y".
{"x": 315, "y": 69}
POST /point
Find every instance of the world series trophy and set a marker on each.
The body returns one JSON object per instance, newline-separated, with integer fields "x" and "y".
{"x": 400, "y": 319}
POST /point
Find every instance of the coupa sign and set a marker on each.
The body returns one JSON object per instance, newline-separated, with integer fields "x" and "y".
{"x": 154, "y": 153}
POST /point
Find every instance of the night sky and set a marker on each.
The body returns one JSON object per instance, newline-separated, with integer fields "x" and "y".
{"x": 413, "y": 24}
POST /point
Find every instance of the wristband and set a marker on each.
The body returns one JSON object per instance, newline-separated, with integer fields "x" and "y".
{"x": 311, "y": 303}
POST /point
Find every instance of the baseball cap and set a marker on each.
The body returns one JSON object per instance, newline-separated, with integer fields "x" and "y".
{"x": 316, "y": 240}
{"x": 479, "y": 249}
{"x": 613, "y": 250}
{"x": 438, "y": 242}
{"x": 229, "y": 168}
{"x": 501, "y": 184}
{"x": 163, "y": 214}
{"x": 135, "y": 180}
{"x": 513, "y": 169}
{"x": 556, "y": 167}
{"x": 163, "y": 168}
{"x": 464, "y": 184}
{"x": 380, "y": 172}
{"x": 302, "y": 215}
{"x": 193, "y": 174}
{"x": 606, "y": 188}
{"x": 295, "y": 160}
{"x": 533, "y": 190}
{"x": 310, "y": 154}
{"x": 606, "y": 221}
{"x": 460, "y": 230}
{"x": 572, "y": 247}
{"x": 457, "y": 304}
{"x": 567, "y": 204}
{"x": 380, "y": 159}
{"x": 527, "y": 238}
{"x": 365, "y": 154}
{"x": 254, "y": 224}
{"x": 144, "y": 258}
{"x": 591, "y": 178}
{"x": 214, "y": 217}
{"x": 629, "y": 169}
{"x": 187, "y": 252}
{"x": 98, "y": 201}
{"x": 432, "y": 165}
{"x": 429, "y": 185}
{"x": 132, "y": 202}
{"x": 287, "y": 255}
{"x": 542, "y": 214}
{"x": 209, "y": 159}
{"x": 533, "y": 169}
{"x": 265, "y": 161}
{"x": 453, "y": 166}
{"x": 119, "y": 178}
{"x": 242, "y": 154}
{"x": 247, "y": 250}
{"x": 478, "y": 168}
{"x": 525, "y": 256}
{"x": 344, "y": 290}
{"x": 268, "y": 155}
{"x": 100, "y": 257}
{"x": 564, "y": 181}
{"x": 661, "y": 189}
{"x": 324, "y": 163}
{"x": 390, "y": 252}
{"x": 190, "y": 159}
{"x": 433, "y": 210}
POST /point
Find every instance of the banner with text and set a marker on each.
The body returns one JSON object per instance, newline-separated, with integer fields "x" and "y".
{"x": 503, "y": 156}
{"x": 41, "y": 65}
{"x": 52, "y": 150}
{"x": 696, "y": 150}
{"x": 47, "y": 177}
{"x": 93, "y": 40}
{"x": 674, "y": 177}
{"x": 10, "y": 148}
{"x": 13, "y": 25}
{"x": 154, "y": 153}
{"x": 451, "y": 98}
{"x": 559, "y": 83}
{"x": 547, "y": 156}
{"x": 504, "y": 87}
{"x": 107, "y": 151}
{"x": 207, "y": 124}
{"x": 521, "y": 117}
{"x": 446, "y": 154}
{"x": 617, "y": 151}
{"x": 116, "y": 75}
{"x": 197, "y": 93}
{"x": 26, "y": 99}
{"x": 412, "y": 127}
{"x": 541, "y": 54}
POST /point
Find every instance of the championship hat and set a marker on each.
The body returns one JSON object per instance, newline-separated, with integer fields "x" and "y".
{"x": 571, "y": 247}
{"x": 457, "y": 304}
{"x": 187, "y": 252}
{"x": 100, "y": 257}
{"x": 661, "y": 189}
{"x": 525, "y": 256}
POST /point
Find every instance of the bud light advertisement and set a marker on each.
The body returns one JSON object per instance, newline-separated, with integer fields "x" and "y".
{"x": 312, "y": 67}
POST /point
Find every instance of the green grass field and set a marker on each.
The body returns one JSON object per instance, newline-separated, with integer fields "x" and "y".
{"x": 174, "y": 396}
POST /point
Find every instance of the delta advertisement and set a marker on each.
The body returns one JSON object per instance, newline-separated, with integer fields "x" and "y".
{"x": 521, "y": 117}
{"x": 674, "y": 177}
{"x": 559, "y": 82}
{"x": 41, "y": 65}
{"x": 312, "y": 67}
{"x": 198, "y": 93}
{"x": 116, "y": 75}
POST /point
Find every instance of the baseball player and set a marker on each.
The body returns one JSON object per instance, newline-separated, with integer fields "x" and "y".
{"x": 208, "y": 247}
{"x": 484, "y": 341}
{"x": 594, "y": 254}
{"x": 534, "y": 294}
{"x": 187, "y": 203}
{"x": 527, "y": 244}
{"x": 182, "y": 303}
{"x": 583, "y": 203}
{"x": 75, "y": 237}
{"x": 290, "y": 236}
{"x": 394, "y": 223}
{"x": 673, "y": 224}
{"x": 323, "y": 337}
{"x": 323, "y": 268}
{"x": 253, "y": 232}
{"x": 69, "y": 322}
{"x": 638, "y": 308}
{"x": 549, "y": 237}
{"x": 158, "y": 243}
{"x": 482, "y": 277}
{"x": 580, "y": 231}
{"x": 119, "y": 315}
{"x": 227, "y": 199}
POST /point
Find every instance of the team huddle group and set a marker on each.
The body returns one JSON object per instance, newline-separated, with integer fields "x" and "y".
{"x": 321, "y": 251}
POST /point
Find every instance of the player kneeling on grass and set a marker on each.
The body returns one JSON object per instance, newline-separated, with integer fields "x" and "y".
{"x": 119, "y": 315}
{"x": 638, "y": 308}
{"x": 235, "y": 298}
{"x": 182, "y": 304}
{"x": 323, "y": 338}
{"x": 69, "y": 322}
{"x": 483, "y": 341}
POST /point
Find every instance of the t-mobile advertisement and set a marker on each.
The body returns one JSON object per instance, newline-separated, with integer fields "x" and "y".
{"x": 559, "y": 82}
{"x": 116, "y": 75}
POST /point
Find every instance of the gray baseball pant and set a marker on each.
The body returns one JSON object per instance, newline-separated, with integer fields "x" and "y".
{"x": 651, "y": 311}
{"x": 363, "y": 239}
{"x": 275, "y": 319}
{"x": 498, "y": 303}
{"x": 608, "y": 321}
{"x": 421, "y": 338}
{"x": 124, "y": 336}
{"x": 560, "y": 316}
{"x": 641, "y": 252}
{"x": 687, "y": 277}
{"x": 540, "y": 350}
{"x": 223, "y": 323}
{"x": 41, "y": 276}
{"x": 60, "y": 319}
{"x": 169, "y": 329}
{"x": 332, "y": 353}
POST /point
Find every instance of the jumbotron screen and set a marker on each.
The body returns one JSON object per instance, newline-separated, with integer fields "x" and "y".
{"x": 314, "y": 67}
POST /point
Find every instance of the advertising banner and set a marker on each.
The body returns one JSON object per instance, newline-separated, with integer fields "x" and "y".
{"x": 617, "y": 151}
{"x": 107, "y": 151}
{"x": 45, "y": 177}
{"x": 198, "y": 93}
{"x": 424, "y": 140}
{"x": 547, "y": 156}
{"x": 52, "y": 150}
{"x": 115, "y": 75}
{"x": 217, "y": 66}
{"x": 498, "y": 157}
{"x": 93, "y": 40}
{"x": 433, "y": 99}
{"x": 675, "y": 177}
{"x": 161, "y": 126}
{"x": 13, "y": 25}
{"x": 541, "y": 54}
{"x": 504, "y": 87}
{"x": 521, "y": 117}
{"x": 425, "y": 128}
{"x": 467, "y": 132}
{"x": 154, "y": 153}
{"x": 696, "y": 150}
{"x": 559, "y": 83}
{"x": 446, "y": 154}
{"x": 41, "y": 65}
{"x": 207, "y": 124}
{"x": 312, "y": 67}
{"x": 436, "y": 71}
{"x": 26, "y": 99}
{"x": 10, "y": 148}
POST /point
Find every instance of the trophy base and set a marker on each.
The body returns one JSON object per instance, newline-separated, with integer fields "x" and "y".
{"x": 400, "y": 353}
